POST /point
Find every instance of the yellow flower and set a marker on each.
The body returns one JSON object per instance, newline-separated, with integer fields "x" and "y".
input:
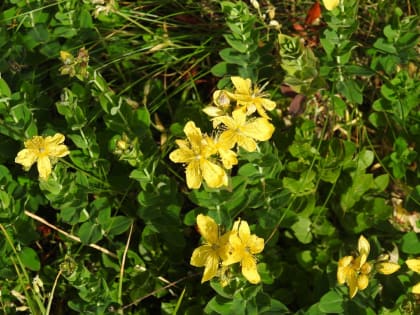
{"x": 244, "y": 246}
{"x": 228, "y": 157}
{"x": 214, "y": 250}
{"x": 66, "y": 57}
{"x": 414, "y": 264}
{"x": 330, "y": 4}
{"x": 252, "y": 99}
{"x": 242, "y": 132}
{"x": 386, "y": 267}
{"x": 196, "y": 152}
{"x": 355, "y": 271}
{"x": 44, "y": 151}
{"x": 222, "y": 102}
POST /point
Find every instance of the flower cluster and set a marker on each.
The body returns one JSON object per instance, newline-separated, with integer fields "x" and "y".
{"x": 355, "y": 271}
{"x": 220, "y": 251}
{"x": 75, "y": 66}
{"x": 44, "y": 151}
{"x": 207, "y": 158}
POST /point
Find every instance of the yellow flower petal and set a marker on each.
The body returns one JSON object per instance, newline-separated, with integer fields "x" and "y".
{"x": 193, "y": 134}
{"x": 413, "y": 264}
{"x": 351, "y": 280}
{"x": 268, "y": 104}
{"x": 211, "y": 269}
{"x": 214, "y": 175}
{"x": 259, "y": 129}
{"x": 65, "y": 56}
{"x": 416, "y": 289}
{"x": 54, "y": 147}
{"x": 255, "y": 244}
{"x": 366, "y": 268}
{"x": 208, "y": 228}
{"x": 228, "y": 121}
{"x": 228, "y": 252}
{"x": 362, "y": 281}
{"x": 44, "y": 167}
{"x": 342, "y": 274}
{"x": 249, "y": 269}
{"x": 213, "y": 111}
{"x": 57, "y": 139}
{"x": 193, "y": 175}
{"x": 26, "y": 157}
{"x": 184, "y": 155}
{"x": 242, "y": 86}
{"x": 247, "y": 143}
{"x": 241, "y": 227}
{"x": 239, "y": 131}
{"x": 228, "y": 158}
{"x": 343, "y": 269}
{"x": 228, "y": 139}
{"x": 59, "y": 151}
{"x": 200, "y": 255}
{"x": 387, "y": 268}
{"x": 221, "y": 99}
{"x": 330, "y": 4}
{"x": 364, "y": 249}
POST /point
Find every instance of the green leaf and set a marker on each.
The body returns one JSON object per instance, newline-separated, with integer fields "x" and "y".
{"x": 339, "y": 106}
{"x": 219, "y": 305}
{"x": 384, "y": 46}
{"x": 79, "y": 141}
{"x": 36, "y": 36}
{"x": 236, "y": 44}
{"x": 90, "y": 233}
{"x": 232, "y": 56}
{"x": 65, "y": 31}
{"x": 85, "y": 19}
{"x": 382, "y": 182}
{"x": 331, "y": 303}
{"x": 351, "y": 90}
{"x": 4, "y": 89}
{"x": 364, "y": 159}
{"x": 302, "y": 230}
{"x": 303, "y": 186}
{"x": 327, "y": 45}
{"x": 390, "y": 33}
{"x": 117, "y": 225}
{"x": 220, "y": 69}
{"x": 358, "y": 70}
{"x": 305, "y": 259}
{"x": 30, "y": 259}
{"x": 410, "y": 243}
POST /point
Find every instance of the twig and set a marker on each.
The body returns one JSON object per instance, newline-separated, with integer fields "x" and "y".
{"x": 51, "y": 296}
{"x": 74, "y": 238}
{"x": 124, "y": 256}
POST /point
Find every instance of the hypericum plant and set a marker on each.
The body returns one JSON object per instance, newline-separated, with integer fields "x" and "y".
{"x": 223, "y": 250}
{"x": 300, "y": 65}
{"x": 196, "y": 152}
{"x": 44, "y": 151}
{"x": 339, "y": 45}
{"x": 356, "y": 271}
{"x": 208, "y": 157}
{"x": 244, "y": 57}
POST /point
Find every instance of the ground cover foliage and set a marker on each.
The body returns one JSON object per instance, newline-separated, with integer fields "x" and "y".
{"x": 272, "y": 143}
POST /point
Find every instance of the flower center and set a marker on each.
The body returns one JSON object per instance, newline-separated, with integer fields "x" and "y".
{"x": 42, "y": 150}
